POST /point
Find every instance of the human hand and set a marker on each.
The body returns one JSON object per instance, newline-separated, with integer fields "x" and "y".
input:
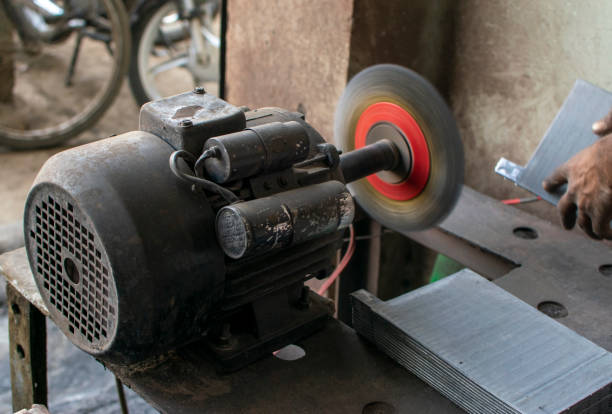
{"x": 589, "y": 177}
{"x": 604, "y": 125}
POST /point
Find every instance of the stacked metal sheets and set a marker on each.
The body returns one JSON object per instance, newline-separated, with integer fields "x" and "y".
{"x": 486, "y": 350}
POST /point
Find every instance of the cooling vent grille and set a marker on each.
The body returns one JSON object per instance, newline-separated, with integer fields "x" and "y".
{"x": 73, "y": 271}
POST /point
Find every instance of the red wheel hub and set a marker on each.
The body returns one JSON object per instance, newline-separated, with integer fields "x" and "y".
{"x": 391, "y": 113}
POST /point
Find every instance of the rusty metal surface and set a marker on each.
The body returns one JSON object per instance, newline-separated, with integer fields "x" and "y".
{"x": 340, "y": 373}
{"x": 77, "y": 383}
{"x": 289, "y": 218}
{"x": 99, "y": 225}
{"x": 557, "y": 266}
{"x": 28, "y": 351}
{"x": 186, "y": 120}
{"x": 16, "y": 270}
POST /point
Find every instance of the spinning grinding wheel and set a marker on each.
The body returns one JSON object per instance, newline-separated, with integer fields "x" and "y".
{"x": 394, "y": 103}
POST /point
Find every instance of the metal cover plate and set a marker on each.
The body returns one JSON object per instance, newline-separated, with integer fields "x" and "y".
{"x": 487, "y": 350}
{"x": 569, "y": 133}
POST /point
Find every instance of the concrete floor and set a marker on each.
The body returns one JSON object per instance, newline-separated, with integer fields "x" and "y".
{"x": 19, "y": 168}
{"x": 77, "y": 383}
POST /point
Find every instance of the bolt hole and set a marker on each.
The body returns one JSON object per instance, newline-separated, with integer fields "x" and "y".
{"x": 606, "y": 270}
{"x": 290, "y": 353}
{"x": 20, "y": 352}
{"x": 15, "y": 309}
{"x": 71, "y": 270}
{"x": 323, "y": 273}
{"x": 378, "y": 407}
{"x": 526, "y": 233}
{"x": 553, "y": 309}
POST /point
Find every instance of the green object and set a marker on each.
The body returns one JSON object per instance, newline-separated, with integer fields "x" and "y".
{"x": 444, "y": 266}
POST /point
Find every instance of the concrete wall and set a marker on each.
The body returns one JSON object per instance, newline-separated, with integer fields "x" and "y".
{"x": 299, "y": 54}
{"x": 6, "y": 57}
{"x": 515, "y": 62}
{"x": 506, "y": 66}
{"x": 416, "y": 34}
{"x": 292, "y": 54}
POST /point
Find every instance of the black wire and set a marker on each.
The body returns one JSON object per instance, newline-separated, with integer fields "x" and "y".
{"x": 201, "y": 182}
{"x": 370, "y": 236}
{"x": 209, "y": 153}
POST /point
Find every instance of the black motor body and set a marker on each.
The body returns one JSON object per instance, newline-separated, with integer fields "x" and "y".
{"x": 207, "y": 222}
{"x": 111, "y": 239}
{"x": 129, "y": 258}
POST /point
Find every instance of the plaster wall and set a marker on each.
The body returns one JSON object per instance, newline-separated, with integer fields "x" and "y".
{"x": 292, "y": 54}
{"x": 299, "y": 54}
{"x": 514, "y": 64}
{"x": 505, "y": 66}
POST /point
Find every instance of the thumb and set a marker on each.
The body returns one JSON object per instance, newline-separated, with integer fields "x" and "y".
{"x": 604, "y": 125}
{"x": 556, "y": 179}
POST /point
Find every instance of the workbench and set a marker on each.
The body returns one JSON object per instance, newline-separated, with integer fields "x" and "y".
{"x": 564, "y": 274}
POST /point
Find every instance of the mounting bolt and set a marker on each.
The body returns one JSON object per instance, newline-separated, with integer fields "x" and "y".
{"x": 226, "y": 335}
{"x": 332, "y": 154}
{"x": 222, "y": 339}
{"x": 186, "y": 123}
{"x": 304, "y": 301}
{"x": 199, "y": 90}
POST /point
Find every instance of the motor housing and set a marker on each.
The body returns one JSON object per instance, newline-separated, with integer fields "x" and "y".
{"x": 126, "y": 254}
{"x": 111, "y": 241}
{"x": 206, "y": 223}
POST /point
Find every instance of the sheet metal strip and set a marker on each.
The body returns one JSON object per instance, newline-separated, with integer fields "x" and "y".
{"x": 486, "y": 350}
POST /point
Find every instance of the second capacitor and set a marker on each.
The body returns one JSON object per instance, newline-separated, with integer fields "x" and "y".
{"x": 260, "y": 149}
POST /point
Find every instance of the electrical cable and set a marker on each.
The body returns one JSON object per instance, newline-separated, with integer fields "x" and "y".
{"x": 209, "y": 153}
{"x": 342, "y": 265}
{"x": 514, "y": 201}
{"x": 199, "y": 181}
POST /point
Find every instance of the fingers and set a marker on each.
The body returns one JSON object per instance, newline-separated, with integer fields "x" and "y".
{"x": 602, "y": 229}
{"x": 567, "y": 209}
{"x": 556, "y": 179}
{"x": 584, "y": 222}
{"x": 603, "y": 126}
{"x": 601, "y": 225}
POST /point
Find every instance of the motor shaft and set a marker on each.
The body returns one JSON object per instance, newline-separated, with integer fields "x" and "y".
{"x": 379, "y": 156}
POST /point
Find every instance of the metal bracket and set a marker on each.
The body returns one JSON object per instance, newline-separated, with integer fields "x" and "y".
{"x": 28, "y": 351}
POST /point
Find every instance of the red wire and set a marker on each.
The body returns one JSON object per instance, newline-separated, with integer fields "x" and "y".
{"x": 343, "y": 262}
{"x": 514, "y": 201}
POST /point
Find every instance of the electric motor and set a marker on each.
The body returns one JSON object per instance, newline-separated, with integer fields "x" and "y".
{"x": 209, "y": 219}
{"x": 124, "y": 254}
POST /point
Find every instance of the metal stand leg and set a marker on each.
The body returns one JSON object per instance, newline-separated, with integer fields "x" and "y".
{"x": 121, "y": 395}
{"x": 28, "y": 351}
{"x": 73, "y": 60}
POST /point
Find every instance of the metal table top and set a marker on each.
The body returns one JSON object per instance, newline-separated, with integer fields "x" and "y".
{"x": 340, "y": 373}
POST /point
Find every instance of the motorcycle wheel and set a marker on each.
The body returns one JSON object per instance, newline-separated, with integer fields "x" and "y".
{"x": 44, "y": 109}
{"x": 164, "y": 61}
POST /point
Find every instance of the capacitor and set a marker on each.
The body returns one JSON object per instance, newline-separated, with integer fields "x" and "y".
{"x": 260, "y": 149}
{"x": 284, "y": 219}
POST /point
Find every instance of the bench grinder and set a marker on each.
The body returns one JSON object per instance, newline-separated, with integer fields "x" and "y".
{"x": 205, "y": 223}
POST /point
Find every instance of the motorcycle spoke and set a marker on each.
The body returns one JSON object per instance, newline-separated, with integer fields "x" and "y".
{"x": 99, "y": 22}
{"x": 178, "y": 61}
{"x": 211, "y": 37}
{"x": 73, "y": 60}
